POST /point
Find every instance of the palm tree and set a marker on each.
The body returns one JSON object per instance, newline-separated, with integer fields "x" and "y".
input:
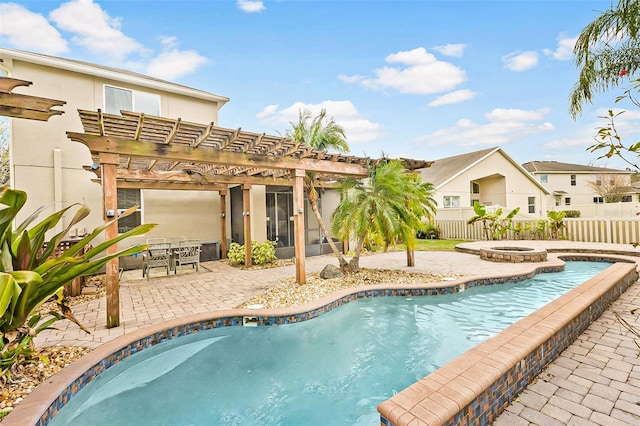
{"x": 321, "y": 134}
{"x": 392, "y": 204}
{"x": 607, "y": 49}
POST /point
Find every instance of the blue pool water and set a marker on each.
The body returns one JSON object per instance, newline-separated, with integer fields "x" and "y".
{"x": 334, "y": 369}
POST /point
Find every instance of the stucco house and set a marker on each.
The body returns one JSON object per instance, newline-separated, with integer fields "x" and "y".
{"x": 56, "y": 171}
{"x": 586, "y": 188}
{"x": 488, "y": 176}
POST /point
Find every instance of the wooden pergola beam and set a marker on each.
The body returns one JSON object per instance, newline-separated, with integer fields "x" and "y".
{"x": 175, "y": 176}
{"x": 27, "y": 113}
{"x": 123, "y": 184}
{"x": 129, "y": 147}
{"x": 25, "y": 106}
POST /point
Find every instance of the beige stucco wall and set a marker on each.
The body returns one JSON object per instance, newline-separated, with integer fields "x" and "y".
{"x": 33, "y": 144}
{"x": 258, "y": 213}
{"x": 501, "y": 183}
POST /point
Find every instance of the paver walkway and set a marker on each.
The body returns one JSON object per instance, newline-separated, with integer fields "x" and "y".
{"x": 595, "y": 381}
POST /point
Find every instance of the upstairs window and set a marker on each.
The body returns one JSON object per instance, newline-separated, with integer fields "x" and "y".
{"x": 544, "y": 178}
{"x": 475, "y": 188}
{"x": 117, "y": 99}
{"x": 598, "y": 180}
{"x": 567, "y": 201}
{"x": 450, "y": 201}
{"x": 573, "y": 180}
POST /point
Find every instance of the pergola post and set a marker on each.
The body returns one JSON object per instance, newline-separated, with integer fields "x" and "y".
{"x": 109, "y": 163}
{"x": 223, "y": 223}
{"x": 298, "y": 224}
{"x": 246, "y": 212}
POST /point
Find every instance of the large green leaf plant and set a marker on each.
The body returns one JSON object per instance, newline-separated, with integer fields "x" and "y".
{"x": 30, "y": 274}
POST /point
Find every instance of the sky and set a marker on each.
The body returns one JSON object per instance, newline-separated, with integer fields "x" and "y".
{"x": 417, "y": 79}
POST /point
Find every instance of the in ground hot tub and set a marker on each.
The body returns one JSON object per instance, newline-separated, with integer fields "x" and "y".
{"x": 513, "y": 254}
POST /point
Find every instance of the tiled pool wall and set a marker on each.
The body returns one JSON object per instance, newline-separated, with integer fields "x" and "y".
{"x": 83, "y": 378}
{"x": 476, "y": 387}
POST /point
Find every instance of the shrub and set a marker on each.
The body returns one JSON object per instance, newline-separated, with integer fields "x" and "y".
{"x": 261, "y": 253}
{"x": 430, "y": 230}
{"x": 572, "y": 213}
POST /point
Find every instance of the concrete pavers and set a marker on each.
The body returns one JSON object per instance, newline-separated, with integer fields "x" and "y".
{"x": 595, "y": 381}
{"x": 592, "y": 382}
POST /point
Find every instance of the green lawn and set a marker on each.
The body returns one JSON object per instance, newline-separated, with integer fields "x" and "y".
{"x": 434, "y": 245}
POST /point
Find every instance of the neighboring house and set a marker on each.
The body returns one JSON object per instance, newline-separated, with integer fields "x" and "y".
{"x": 583, "y": 188}
{"x": 490, "y": 177}
{"x": 51, "y": 168}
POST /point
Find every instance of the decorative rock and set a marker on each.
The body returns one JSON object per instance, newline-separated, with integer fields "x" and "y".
{"x": 89, "y": 289}
{"x": 329, "y": 272}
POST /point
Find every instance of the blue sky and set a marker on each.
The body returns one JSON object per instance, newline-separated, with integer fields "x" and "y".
{"x": 420, "y": 79}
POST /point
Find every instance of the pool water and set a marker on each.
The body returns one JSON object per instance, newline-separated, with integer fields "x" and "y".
{"x": 334, "y": 369}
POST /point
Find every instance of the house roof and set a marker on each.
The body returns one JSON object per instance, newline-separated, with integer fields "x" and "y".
{"x": 111, "y": 73}
{"x": 446, "y": 169}
{"x": 557, "y": 167}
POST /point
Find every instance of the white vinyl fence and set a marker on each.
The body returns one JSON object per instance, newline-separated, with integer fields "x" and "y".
{"x": 609, "y": 230}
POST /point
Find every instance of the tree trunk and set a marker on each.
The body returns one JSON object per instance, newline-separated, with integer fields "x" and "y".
{"x": 312, "y": 196}
{"x": 354, "y": 264}
{"x": 411, "y": 258}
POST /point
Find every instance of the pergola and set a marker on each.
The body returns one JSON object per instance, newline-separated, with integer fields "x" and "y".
{"x": 25, "y": 106}
{"x": 138, "y": 151}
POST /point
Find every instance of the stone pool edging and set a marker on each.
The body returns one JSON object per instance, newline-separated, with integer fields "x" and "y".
{"x": 474, "y": 388}
{"x": 50, "y": 396}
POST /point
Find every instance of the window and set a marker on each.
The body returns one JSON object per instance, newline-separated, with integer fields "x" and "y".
{"x": 475, "y": 188}
{"x": 544, "y": 178}
{"x": 450, "y": 201}
{"x": 573, "y": 180}
{"x": 128, "y": 198}
{"x": 598, "y": 200}
{"x": 627, "y": 198}
{"x": 567, "y": 201}
{"x": 598, "y": 180}
{"x": 117, "y": 99}
{"x": 532, "y": 204}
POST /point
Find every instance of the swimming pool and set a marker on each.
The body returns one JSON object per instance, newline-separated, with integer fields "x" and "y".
{"x": 334, "y": 369}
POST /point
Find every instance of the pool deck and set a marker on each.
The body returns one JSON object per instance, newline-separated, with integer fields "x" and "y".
{"x": 595, "y": 381}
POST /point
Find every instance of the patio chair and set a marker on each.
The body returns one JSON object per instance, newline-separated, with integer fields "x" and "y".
{"x": 156, "y": 256}
{"x": 188, "y": 253}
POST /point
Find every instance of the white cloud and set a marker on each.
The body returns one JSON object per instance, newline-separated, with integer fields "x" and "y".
{"x": 94, "y": 29}
{"x": 455, "y": 50}
{"x": 250, "y": 6}
{"x": 564, "y": 50}
{"x": 453, "y": 98}
{"x": 419, "y": 73}
{"x": 351, "y": 78}
{"x": 503, "y": 126}
{"x": 40, "y": 36}
{"x": 175, "y": 63}
{"x": 520, "y": 61}
{"x": 503, "y": 114}
{"x": 357, "y": 128}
